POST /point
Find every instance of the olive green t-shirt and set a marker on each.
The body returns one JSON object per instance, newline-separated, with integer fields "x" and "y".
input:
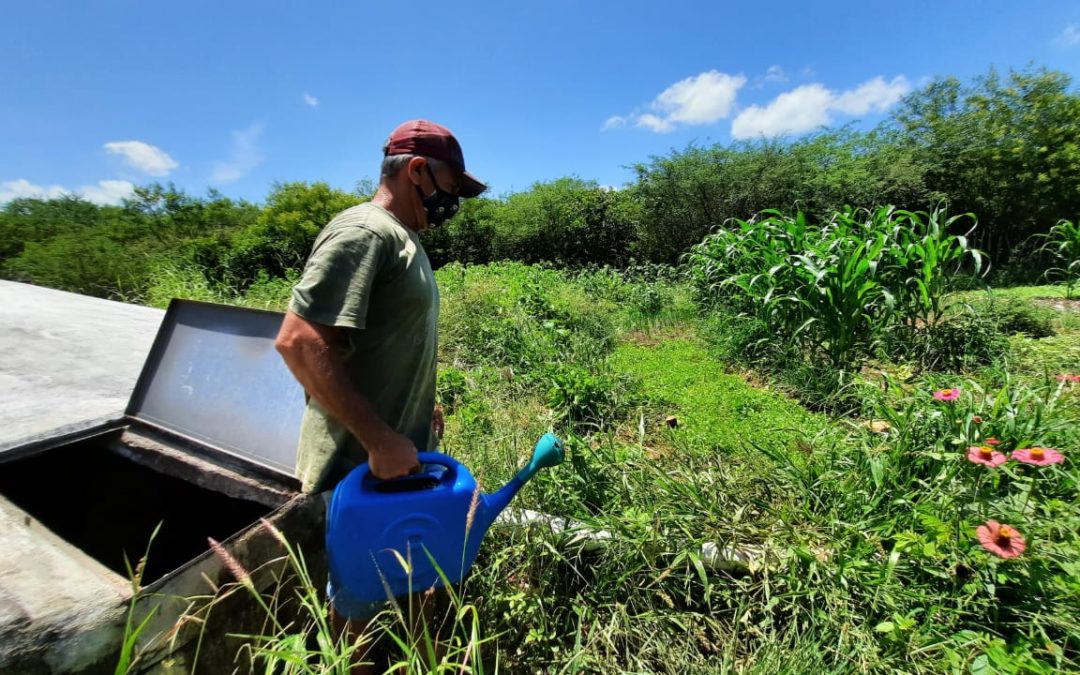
{"x": 368, "y": 275}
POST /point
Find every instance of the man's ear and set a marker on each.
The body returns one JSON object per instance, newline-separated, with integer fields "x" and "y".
{"x": 416, "y": 168}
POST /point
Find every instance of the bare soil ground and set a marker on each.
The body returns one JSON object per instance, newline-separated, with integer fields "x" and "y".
{"x": 1060, "y": 304}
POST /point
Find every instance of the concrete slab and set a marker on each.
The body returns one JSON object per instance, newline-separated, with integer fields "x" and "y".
{"x": 66, "y": 360}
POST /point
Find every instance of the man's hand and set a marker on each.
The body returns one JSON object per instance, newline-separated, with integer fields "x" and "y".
{"x": 393, "y": 458}
{"x": 438, "y": 422}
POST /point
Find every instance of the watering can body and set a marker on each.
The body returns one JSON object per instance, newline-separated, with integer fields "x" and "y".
{"x": 390, "y": 538}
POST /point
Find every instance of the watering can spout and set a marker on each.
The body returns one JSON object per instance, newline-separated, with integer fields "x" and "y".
{"x": 548, "y": 452}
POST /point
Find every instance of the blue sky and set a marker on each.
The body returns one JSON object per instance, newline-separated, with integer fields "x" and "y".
{"x": 98, "y": 95}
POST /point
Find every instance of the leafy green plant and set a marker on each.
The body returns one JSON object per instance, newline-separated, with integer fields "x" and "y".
{"x": 1063, "y": 241}
{"x": 451, "y": 389}
{"x": 835, "y": 289}
{"x": 587, "y": 400}
{"x": 960, "y": 342}
{"x": 924, "y": 259}
{"x": 1012, "y": 316}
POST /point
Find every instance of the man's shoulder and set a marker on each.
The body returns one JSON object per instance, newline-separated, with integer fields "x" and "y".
{"x": 366, "y": 216}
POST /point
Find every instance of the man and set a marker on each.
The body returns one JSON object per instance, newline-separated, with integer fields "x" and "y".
{"x": 360, "y": 333}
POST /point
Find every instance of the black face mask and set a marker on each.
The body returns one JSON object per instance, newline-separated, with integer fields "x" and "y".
{"x": 440, "y": 206}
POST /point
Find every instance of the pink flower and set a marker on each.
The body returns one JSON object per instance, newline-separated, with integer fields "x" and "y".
{"x": 1001, "y": 540}
{"x": 1038, "y": 456}
{"x": 984, "y": 454}
{"x": 947, "y": 395}
{"x": 1065, "y": 377}
{"x": 992, "y": 441}
{"x": 977, "y": 419}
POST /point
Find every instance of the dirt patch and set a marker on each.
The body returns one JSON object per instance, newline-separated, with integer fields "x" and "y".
{"x": 1060, "y": 304}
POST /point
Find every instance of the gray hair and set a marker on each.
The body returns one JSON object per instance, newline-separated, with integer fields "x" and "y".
{"x": 392, "y": 164}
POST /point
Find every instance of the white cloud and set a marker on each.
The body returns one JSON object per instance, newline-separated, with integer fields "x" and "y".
{"x": 775, "y": 74}
{"x": 17, "y": 189}
{"x": 657, "y": 124}
{"x": 105, "y": 192}
{"x": 311, "y": 100}
{"x": 875, "y": 95}
{"x": 702, "y": 99}
{"x": 810, "y": 106}
{"x": 244, "y": 156}
{"x": 800, "y": 109}
{"x": 613, "y": 122}
{"x": 1070, "y": 37}
{"x": 143, "y": 156}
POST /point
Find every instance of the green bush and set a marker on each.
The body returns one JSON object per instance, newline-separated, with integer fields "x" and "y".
{"x": 521, "y": 317}
{"x": 961, "y": 342}
{"x": 1012, "y": 316}
{"x": 586, "y": 400}
{"x": 282, "y": 236}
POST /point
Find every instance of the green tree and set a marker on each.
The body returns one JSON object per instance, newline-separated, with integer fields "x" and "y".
{"x": 24, "y": 221}
{"x": 281, "y": 237}
{"x": 567, "y": 221}
{"x": 468, "y": 237}
{"x": 1006, "y": 149}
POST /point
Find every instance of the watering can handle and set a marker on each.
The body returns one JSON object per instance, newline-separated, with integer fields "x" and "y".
{"x": 422, "y": 480}
{"x": 437, "y": 458}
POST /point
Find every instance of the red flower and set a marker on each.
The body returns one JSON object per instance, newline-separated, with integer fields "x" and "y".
{"x": 947, "y": 395}
{"x": 984, "y": 454}
{"x": 1038, "y": 456}
{"x": 977, "y": 419}
{"x": 992, "y": 441}
{"x": 1001, "y": 540}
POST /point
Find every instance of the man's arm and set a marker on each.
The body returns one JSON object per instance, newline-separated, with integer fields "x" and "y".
{"x": 309, "y": 351}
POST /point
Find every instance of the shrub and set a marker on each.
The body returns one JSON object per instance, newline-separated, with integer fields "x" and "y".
{"x": 1012, "y": 316}
{"x": 959, "y": 343}
{"x": 586, "y": 400}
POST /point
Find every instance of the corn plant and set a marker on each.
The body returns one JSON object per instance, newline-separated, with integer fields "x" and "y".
{"x": 924, "y": 259}
{"x": 838, "y": 289}
{"x": 834, "y": 289}
{"x": 816, "y": 286}
{"x": 1063, "y": 241}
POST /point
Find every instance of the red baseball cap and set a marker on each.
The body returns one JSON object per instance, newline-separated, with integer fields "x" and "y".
{"x": 427, "y": 139}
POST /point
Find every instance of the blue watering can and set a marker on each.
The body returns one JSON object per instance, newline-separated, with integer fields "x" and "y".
{"x": 385, "y": 538}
